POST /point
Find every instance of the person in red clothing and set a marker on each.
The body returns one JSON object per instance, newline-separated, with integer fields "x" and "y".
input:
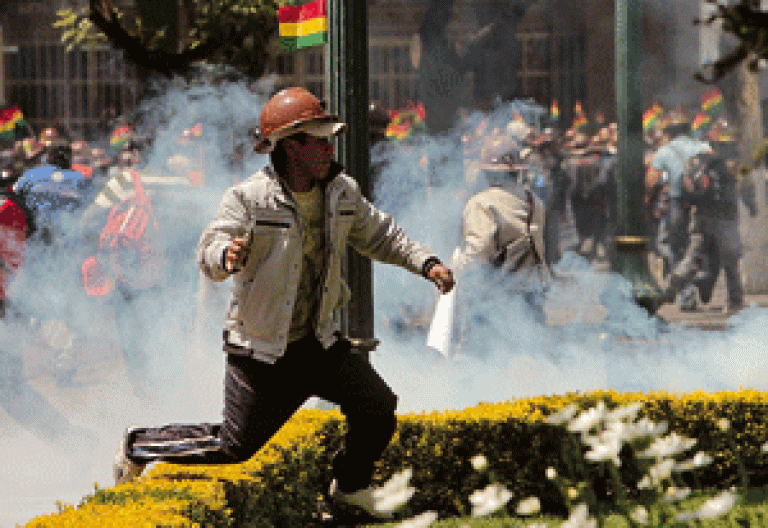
{"x": 14, "y": 231}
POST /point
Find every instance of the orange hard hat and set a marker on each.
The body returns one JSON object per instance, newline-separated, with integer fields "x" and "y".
{"x": 294, "y": 110}
{"x": 48, "y": 135}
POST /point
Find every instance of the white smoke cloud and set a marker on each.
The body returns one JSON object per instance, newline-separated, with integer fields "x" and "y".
{"x": 60, "y": 439}
{"x": 597, "y": 336}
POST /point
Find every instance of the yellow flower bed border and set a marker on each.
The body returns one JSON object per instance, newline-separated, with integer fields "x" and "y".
{"x": 281, "y": 485}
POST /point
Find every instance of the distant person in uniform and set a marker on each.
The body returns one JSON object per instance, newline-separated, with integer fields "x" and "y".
{"x": 503, "y": 238}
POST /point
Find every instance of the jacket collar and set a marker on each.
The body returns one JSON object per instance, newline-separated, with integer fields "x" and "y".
{"x": 284, "y": 194}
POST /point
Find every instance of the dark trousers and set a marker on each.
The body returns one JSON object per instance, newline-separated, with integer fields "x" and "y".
{"x": 259, "y": 398}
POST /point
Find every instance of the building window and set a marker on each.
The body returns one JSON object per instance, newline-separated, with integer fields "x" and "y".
{"x": 72, "y": 64}
{"x": 315, "y": 63}
{"x": 285, "y": 64}
{"x": 392, "y": 78}
{"x": 84, "y": 65}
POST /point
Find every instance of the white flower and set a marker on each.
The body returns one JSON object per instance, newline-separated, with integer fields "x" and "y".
{"x": 723, "y": 424}
{"x": 700, "y": 459}
{"x": 420, "y": 521}
{"x": 661, "y": 470}
{"x": 626, "y": 412}
{"x": 587, "y": 419}
{"x": 764, "y": 447}
{"x": 395, "y": 492}
{"x": 639, "y": 515}
{"x": 488, "y": 500}
{"x": 715, "y": 507}
{"x": 608, "y": 449}
{"x": 642, "y": 428}
{"x": 668, "y": 446}
{"x": 479, "y": 462}
{"x": 528, "y": 506}
{"x": 551, "y": 473}
{"x": 676, "y": 494}
{"x": 657, "y": 473}
{"x": 579, "y": 518}
{"x": 563, "y": 416}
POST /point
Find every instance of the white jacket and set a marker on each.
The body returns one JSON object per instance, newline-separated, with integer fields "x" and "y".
{"x": 264, "y": 291}
{"x": 500, "y": 227}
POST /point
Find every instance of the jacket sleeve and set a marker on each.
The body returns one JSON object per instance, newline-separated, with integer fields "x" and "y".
{"x": 231, "y": 221}
{"x": 374, "y": 234}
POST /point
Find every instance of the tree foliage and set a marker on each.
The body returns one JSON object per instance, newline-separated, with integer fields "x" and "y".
{"x": 749, "y": 24}
{"x": 232, "y": 32}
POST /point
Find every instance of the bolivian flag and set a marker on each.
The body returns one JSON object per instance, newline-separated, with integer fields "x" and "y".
{"x": 555, "y": 111}
{"x": 302, "y": 24}
{"x": 579, "y": 117}
{"x": 651, "y": 116}
{"x": 701, "y": 121}
{"x": 120, "y": 137}
{"x": 712, "y": 102}
{"x": 9, "y": 118}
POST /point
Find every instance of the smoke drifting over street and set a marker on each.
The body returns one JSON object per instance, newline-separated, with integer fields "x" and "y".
{"x": 58, "y": 440}
{"x": 617, "y": 345}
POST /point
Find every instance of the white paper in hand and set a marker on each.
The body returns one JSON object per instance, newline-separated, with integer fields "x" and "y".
{"x": 441, "y": 329}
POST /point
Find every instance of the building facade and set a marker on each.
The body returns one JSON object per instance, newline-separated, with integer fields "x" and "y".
{"x": 81, "y": 90}
{"x": 542, "y": 50}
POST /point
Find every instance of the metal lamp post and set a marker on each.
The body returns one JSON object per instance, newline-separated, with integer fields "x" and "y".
{"x": 347, "y": 70}
{"x": 632, "y": 239}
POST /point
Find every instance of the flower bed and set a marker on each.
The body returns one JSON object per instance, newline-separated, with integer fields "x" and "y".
{"x": 520, "y": 441}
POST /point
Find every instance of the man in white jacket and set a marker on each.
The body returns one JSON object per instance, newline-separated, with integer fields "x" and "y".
{"x": 281, "y": 235}
{"x": 503, "y": 236}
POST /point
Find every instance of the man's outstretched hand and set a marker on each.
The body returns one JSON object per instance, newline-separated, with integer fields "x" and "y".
{"x": 442, "y": 277}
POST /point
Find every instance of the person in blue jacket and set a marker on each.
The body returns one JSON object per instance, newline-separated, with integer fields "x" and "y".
{"x": 53, "y": 189}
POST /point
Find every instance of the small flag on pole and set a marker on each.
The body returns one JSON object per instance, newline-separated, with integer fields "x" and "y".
{"x": 651, "y": 116}
{"x": 302, "y": 24}
{"x": 579, "y": 117}
{"x": 120, "y": 137}
{"x": 701, "y": 122}
{"x": 712, "y": 102}
{"x": 10, "y": 117}
{"x": 555, "y": 111}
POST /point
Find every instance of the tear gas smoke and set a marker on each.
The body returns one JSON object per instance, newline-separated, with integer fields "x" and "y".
{"x": 58, "y": 440}
{"x": 604, "y": 339}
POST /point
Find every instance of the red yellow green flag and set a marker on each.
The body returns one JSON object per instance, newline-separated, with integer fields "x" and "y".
{"x": 555, "y": 112}
{"x": 120, "y": 137}
{"x": 712, "y": 102}
{"x": 302, "y": 24}
{"x": 651, "y": 116}
{"x": 405, "y": 123}
{"x": 579, "y": 117}
{"x": 701, "y": 121}
{"x": 9, "y": 118}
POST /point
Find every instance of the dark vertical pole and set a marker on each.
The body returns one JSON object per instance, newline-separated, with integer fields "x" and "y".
{"x": 348, "y": 89}
{"x": 631, "y": 240}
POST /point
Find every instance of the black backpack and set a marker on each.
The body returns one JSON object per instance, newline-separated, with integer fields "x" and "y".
{"x": 710, "y": 186}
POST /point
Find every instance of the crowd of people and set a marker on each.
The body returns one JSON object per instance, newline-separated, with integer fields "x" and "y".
{"x": 691, "y": 198}
{"x": 57, "y": 203}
